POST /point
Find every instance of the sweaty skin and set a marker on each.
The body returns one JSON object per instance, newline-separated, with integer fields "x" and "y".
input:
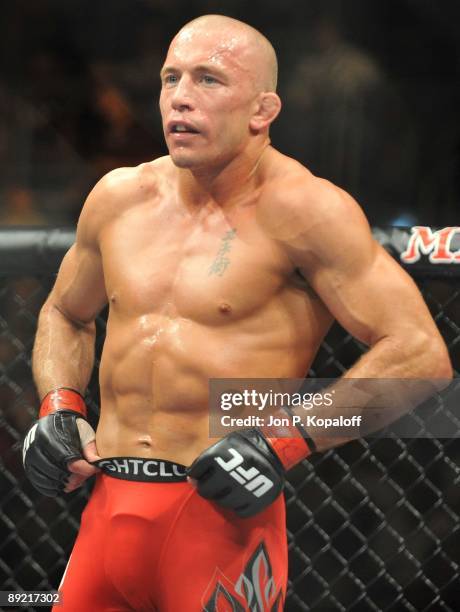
{"x": 225, "y": 259}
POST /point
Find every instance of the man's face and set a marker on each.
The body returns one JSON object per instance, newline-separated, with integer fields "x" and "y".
{"x": 206, "y": 98}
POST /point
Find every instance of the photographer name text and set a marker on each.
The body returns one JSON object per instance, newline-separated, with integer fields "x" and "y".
{"x": 310, "y": 420}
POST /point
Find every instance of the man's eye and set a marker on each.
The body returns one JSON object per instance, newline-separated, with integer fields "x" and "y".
{"x": 208, "y": 79}
{"x": 170, "y": 78}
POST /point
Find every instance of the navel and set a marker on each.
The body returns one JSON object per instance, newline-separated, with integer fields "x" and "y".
{"x": 145, "y": 442}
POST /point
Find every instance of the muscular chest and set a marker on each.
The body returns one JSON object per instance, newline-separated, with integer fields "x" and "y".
{"x": 201, "y": 268}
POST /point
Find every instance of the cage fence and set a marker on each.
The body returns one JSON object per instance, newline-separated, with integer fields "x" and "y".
{"x": 373, "y": 525}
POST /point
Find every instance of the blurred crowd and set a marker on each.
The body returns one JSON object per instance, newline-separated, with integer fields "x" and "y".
{"x": 369, "y": 92}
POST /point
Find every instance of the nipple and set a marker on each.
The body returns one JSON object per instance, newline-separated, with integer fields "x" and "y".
{"x": 225, "y": 308}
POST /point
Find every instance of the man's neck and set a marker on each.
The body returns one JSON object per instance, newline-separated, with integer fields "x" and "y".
{"x": 221, "y": 185}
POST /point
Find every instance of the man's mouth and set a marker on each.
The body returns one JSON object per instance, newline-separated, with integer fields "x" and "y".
{"x": 180, "y": 128}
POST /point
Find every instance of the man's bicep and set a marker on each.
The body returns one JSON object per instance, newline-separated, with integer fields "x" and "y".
{"x": 79, "y": 292}
{"x": 365, "y": 290}
{"x": 374, "y": 300}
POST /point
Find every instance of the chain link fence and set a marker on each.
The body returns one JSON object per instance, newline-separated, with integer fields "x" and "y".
{"x": 373, "y": 525}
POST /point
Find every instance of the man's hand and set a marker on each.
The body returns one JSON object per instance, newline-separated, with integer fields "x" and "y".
{"x": 59, "y": 446}
{"x": 81, "y": 468}
{"x": 240, "y": 472}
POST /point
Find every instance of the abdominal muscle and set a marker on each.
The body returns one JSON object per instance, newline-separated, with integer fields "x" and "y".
{"x": 155, "y": 372}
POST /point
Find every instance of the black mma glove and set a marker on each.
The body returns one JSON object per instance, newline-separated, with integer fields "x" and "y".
{"x": 241, "y": 472}
{"x": 245, "y": 470}
{"x": 55, "y": 440}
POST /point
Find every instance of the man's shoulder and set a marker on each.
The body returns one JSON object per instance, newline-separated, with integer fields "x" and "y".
{"x": 119, "y": 190}
{"x": 315, "y": 220}
{"x": 295, "y": 200}
{"x": 126, "y": 185}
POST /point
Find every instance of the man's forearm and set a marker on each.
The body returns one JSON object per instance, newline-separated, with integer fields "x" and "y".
{"x": 422, "y": 357}
{"x": 63, "y": 354}
{"x": 389, "y": 381}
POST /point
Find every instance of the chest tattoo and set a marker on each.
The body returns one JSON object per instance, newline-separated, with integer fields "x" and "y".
{"x": 222, "y": 259}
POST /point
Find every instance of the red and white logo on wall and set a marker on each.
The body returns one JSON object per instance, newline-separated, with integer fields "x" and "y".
{"x": 436, "y": 244}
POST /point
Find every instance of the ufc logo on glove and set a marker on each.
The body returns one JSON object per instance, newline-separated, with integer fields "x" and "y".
{"x": 240, "y": 472}
{"x": 251, "y": 478}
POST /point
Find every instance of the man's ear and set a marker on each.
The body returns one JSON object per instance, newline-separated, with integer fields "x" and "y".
{"x": 267, "y": 109}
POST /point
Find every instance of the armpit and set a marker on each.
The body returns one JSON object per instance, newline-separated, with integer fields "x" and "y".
{"x": 299, "y": 281}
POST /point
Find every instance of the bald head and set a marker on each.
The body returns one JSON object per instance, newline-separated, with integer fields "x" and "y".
{"x": 253, "y": 49}
{"x": 218, "y": 94}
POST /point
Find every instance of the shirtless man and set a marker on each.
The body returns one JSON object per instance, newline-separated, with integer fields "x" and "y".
{"x": 184, "y": 310}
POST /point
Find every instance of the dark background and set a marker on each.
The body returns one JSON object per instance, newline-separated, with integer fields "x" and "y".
{"x": 370, "y": 91}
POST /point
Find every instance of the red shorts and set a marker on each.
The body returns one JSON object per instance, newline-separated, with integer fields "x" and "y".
{"x": 148, "y": 541}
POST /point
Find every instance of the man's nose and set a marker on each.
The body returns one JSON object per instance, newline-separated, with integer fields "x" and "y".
{"x": 182, "y": 98}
